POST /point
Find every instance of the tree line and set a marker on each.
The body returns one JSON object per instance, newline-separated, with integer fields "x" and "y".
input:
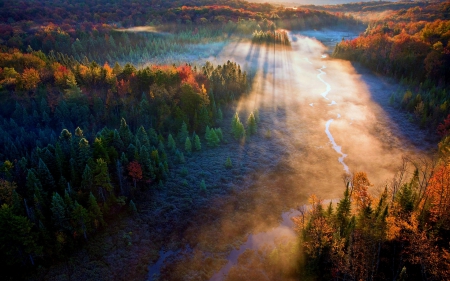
{"x": 81, "y": 140}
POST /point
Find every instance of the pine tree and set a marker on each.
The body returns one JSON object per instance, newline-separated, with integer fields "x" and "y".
{"x": 87, "y": 178}
{"x": 142, "y": 136}
{"x": 212, "y": 139}
{"x": 84, "y": 153}
{"x": 117, "y": 141}
{"x": 132, "y": 207}
{"x": 32, "y": 184}
{"x": 59, "y": 214}
{"x": 171, "y": 145}
{"x": 251, "y": 124}
{"x": 80, "y": 217}
{"x": 125, "y": 133}
{"x": 343, "y": 212}
{"x": 219, "y": 134}
{"x": 94, "y": 212}
{"x": 183, "y": 133}
{"x": 228, "y": 163}
{"x": 188, "y": 145}
{"x": 219, "y": 115}
{"x": 203, "y": 185}
{"x": 45, "y": 176}
{"x": 237, "y": 127}
{"x": 101, "y": 178}
{"x": 197, "y": 143}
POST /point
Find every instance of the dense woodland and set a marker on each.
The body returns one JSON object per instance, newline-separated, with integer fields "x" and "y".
{"x": 83, "y": 135}
{"x": 412, "y": 46}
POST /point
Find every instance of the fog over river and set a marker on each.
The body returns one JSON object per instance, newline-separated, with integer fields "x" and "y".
{"x": 327, "y": 118}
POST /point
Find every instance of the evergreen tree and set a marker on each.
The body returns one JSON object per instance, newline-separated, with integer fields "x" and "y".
{"x": 99, "y": 151}
{"x": 45, "y": 176}
{"x": 219, "y": 134}
{"x": 212, "y": 138}
{"x": 228, "y": 163}
{"x": 94, "y": 212}
{"x": 59, "y": 213}
{"x": 18, "y": 241}
{"x": 171, "y": 145}
{"x": 84, "y": 153}
{"x": 32, "y": 184}
{"x": 87, "y": 178}
{"x": 143, "y": 137}
{"x": 117, "y": 141}
{"x": 80, "y": 218}
{"x": 132, "y": 207}
{"x": 183, "y": 133}
{"x": 343, "y": 212}
{"x": 251, "y": 124}
{"x": 219, "y": 115}
{"x": 197, "y": 143}
{"x": 125, "y": 133}
{"x": 202, "y": 185}
{"x": 237, "y": 127}
{"x": 101, "y": 178}
{"x": 188, "y": 145}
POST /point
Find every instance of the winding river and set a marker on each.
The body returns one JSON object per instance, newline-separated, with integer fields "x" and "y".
{"x": 328, "y": 118}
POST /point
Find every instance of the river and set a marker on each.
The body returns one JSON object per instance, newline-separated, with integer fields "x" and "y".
{"x": 327, "y": 119}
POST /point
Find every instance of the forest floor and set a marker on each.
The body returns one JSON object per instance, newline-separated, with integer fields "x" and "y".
{"x": 300, "y": 94}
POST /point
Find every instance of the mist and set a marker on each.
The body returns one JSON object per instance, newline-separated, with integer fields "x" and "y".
{"x": 321, "y": 119}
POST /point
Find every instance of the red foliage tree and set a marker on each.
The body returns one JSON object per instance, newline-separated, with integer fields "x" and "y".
{"x": 135, "y": 171}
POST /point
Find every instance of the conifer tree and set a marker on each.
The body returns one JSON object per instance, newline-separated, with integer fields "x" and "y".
{"x": 117, "y": 141}
{"x": 132, "y": 207}
{"x": 171, "y": 145}
{"x": 197, "y": 143}
{"x": 94, "y": 212}
{"x": 237, "y": 127}
{"x": 45, "y": 176}
{"x": 142, "y": 136}
{"x": 59, "y": 214}
{"x": 87, "y": 178}
{"x": 188, "y": 145}
{"x": 101, "y": 178}
{"x": 32, "y": 184}
{"x": 203, "y": 185}
{"x": 80, "y": 217}
{"x": 228, "y": 163}
{"x": 183, "y": 133}
{"x": 125, "y": 133}
{"x": 251, "y": 124}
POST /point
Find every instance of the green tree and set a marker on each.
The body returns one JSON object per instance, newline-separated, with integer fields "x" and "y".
{"x": 80, "y": 218}
{"x": 101, "y": 178}
{"x": 203, "y": 185}
{"x": 60, "y": 217}
{"x": 188, "y": 145}
{"x": 132, "y": 207}
{"x": 237, "y": 127}
{"x": 125, "y": 133}
{"x": 18, "y": 243}
{"x": 94, "y": 212}
{"x": 183, "y": 133}
{"x": 87, "y": 178}
{"x": 45, "y": 176}
{"x": 228, "y": 163}
{"x": 197, "y": 143}
{"x": 171, "y": 145}
{"x": 251, "y": 124}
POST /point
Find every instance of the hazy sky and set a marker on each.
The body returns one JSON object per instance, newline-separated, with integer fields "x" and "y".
{"x": 305, "y": 2}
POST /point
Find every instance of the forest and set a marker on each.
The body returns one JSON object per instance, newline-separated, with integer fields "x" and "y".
{"x": 92, "y": 122}
{"x": 414, "y": 38}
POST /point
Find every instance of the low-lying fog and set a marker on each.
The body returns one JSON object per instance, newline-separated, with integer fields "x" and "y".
{"x": 327, "y": 118}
